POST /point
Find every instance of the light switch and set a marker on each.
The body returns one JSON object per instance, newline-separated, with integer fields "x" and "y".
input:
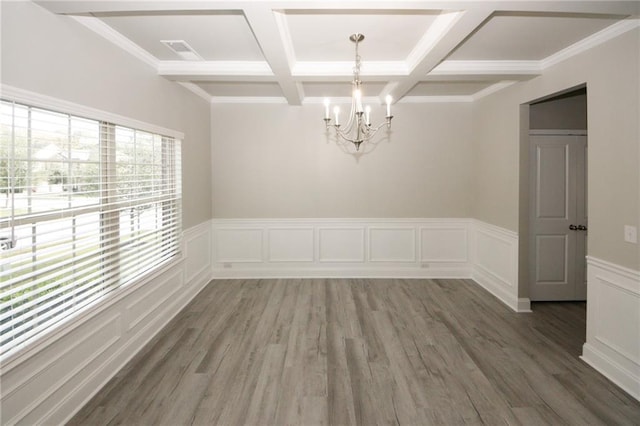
{"x": 631, "y": 234}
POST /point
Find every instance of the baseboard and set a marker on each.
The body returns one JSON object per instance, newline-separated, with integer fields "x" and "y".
{"x": 417, "y": 273}
{"x": 613, "y": 329}
{"x": 625, "y": 379}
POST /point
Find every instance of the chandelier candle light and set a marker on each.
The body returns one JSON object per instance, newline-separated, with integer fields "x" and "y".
{"x": 358, "y": 128}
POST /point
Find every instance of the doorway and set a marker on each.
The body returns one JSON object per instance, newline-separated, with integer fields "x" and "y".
{"x": 558, "y": 227}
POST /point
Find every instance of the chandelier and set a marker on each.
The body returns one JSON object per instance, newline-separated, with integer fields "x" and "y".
{"x": 358, "y": 128}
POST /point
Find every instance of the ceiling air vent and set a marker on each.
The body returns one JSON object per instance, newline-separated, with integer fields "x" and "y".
{"x": 182, "y": 49}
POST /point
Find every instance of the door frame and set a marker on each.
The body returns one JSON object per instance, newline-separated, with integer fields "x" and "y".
{"x": 524, "y": 185}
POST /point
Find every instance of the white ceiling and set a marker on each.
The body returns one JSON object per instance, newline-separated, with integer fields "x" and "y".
{"x": 299, "y": 51}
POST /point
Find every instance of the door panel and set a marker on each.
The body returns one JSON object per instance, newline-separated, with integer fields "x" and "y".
{"x": 552, "y": 181}
{"x": 551, "y": 251}
{"x": 558, "y": 181}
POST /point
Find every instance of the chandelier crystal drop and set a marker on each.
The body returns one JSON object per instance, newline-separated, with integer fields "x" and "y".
{"x": 358, "y": 128}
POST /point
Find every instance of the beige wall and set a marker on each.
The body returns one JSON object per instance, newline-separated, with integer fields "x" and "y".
{"x": 610, "y": 72}
{"x": 55, "y": 56}
{"x": 275, "y": 161}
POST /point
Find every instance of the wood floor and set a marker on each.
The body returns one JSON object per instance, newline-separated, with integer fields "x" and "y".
{"x": 357, "y": 351}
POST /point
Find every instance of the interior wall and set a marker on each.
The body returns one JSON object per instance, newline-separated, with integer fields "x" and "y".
{"x": 277, "y": 161}
{"x": 56, "y": 56}
{"x": 610, "y": 72}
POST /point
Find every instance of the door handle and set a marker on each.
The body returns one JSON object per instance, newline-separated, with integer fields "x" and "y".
{"x": 582, "y": 228}
{"x": 573, "y": 227}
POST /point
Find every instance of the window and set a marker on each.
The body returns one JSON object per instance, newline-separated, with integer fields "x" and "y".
{"x": 85, "y": 207}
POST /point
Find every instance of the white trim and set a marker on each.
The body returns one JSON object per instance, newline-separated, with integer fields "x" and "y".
{"x": 76, "y": 369}
{"x": 631, "y": 274}
{"x": 413, "y": 258}
{"x": 248, "y": 100}
{"x": 434, "y": 99}
{"x": 613, "y": 335}
{"x": 285, "y": 37}
{"x": 434, "y": 34}
{"x": 328, "y": 260}
{"x": 609, "y": 368}
{"x": 464, "y": 259}
{"x": 142, "y": 300}
{"x": 494, "y": 256}
{"x": 46, "y": 386}
{"x": 12, "y": 93}
{"x": 197, "y": 90}
{"x": 271, "y": 258}
{"x": 451, "y": 67}
{"x": 451, "y": 271}
{"x": 214, "y": 68}
{"x": 99, "y": 27}
{"x": 34, "y": 374}
{"x": 491, "y": 253}
{"x": 315, "y": 100}
{"x": 590, "y": 42}
{"x": 363, "y": 244}
{"x": 492, "y": 89}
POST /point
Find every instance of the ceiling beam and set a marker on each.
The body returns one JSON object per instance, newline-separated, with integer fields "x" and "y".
{"x": 268, "y": 34}
{"x": 441, "y": 41}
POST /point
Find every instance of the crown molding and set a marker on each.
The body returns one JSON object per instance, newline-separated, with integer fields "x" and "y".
{"x": 99, "y": 27}
{"x": 487, "y": 67}
{"x": 434, "y": 99}
{"x": 590, "y": 42}
{"x": 194, "y": 88}
{"x": 492, "y": 89}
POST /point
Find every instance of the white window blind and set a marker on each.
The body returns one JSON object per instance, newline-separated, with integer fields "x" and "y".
{"x": 85, "y": 207}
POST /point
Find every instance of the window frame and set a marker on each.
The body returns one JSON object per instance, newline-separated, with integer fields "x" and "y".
{"x": 122, "y": 289}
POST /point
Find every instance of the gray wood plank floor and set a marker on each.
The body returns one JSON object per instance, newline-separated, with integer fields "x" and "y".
{"x": 359, "y": 351}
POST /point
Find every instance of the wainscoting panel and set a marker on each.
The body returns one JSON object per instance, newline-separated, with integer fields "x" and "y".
{"x": 444, "y": 244}
{"x": 494, "y": 255}
{"x": 613, "y": 323}
{"x": 197, "y": 253}
{"x": 144, "y": 305}
{"x": 412, "y": 248}
{"x": 52, "y": 378}
{"x": 290, "y": 245}
{"x": 392, "y": 244}
{"x": 235, "y": 245}
{"x": 341, "y": 244}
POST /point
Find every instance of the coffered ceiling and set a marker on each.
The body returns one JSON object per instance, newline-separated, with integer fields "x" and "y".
{"x": 299, "y": 51}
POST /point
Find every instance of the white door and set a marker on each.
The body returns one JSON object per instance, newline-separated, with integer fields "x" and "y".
{"x": 558, "y": 216}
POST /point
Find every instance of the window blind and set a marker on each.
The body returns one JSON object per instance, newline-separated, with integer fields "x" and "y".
{"x": 85, "y": 207}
